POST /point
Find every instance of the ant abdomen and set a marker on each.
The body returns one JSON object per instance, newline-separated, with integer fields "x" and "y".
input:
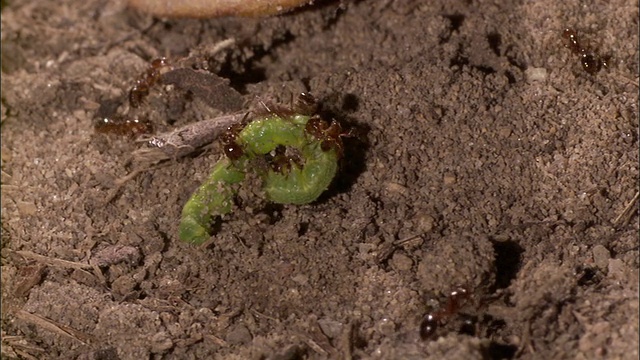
{"x": 590, "y": 60}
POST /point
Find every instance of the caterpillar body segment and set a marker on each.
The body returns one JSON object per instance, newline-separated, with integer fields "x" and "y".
{"x": 214, "y": 197}
{"x": 302, "y": 185}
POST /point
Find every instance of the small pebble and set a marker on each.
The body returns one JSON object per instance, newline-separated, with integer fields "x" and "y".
{"x": 161, "y": 342}
{"x": 401, "y": 262}
{"x": 601, "y": 257}
{"x": 239, "y": 335}
{"x": 536, "y": 74}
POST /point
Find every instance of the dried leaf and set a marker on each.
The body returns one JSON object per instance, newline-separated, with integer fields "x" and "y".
{"x": 210, "y": 88}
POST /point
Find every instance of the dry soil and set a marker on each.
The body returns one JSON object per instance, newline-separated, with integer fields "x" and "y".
{"x": 488, "y": 160}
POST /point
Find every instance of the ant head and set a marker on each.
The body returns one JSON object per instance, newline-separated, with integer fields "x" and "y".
{"x": 305, "y": 104}
{"x": 233, "y": 151}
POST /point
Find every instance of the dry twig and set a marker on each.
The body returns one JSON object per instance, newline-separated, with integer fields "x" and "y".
{"x": 53, "y": 326}
{"x": 185, "y": 140}
{"x": 625, "y": 215}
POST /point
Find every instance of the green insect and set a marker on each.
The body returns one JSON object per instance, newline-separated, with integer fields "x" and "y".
{"x": 298, "y": 179}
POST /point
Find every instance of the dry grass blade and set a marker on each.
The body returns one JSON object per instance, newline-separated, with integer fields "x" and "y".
{"x": 82, "y": 267}
{"x": 388, "y": 249}
{"x": 53, "y": 261}
{"x": 18, "y": 347}
{"x": 53, "y": 326}
{"x": 625, "y": 215}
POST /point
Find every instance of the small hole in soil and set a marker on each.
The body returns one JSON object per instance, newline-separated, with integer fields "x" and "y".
{"x": 500, "y": 351}
{"x": 350, "y": 103}
{"x": 487, "y": 70}
{"x": 588, "y": 276}
{"x": 274, "y": 211}
{"x": 468, "y": 325}
{"x": 456, "y": 21}
{"x": 106, "y": 354}
{"x": 495, "y": 40}
{"x": 303, "y": 228}
{"x": 508, "y": 259}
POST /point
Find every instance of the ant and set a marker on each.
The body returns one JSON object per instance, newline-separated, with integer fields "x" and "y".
{"x": 281, "y": 162}
{"x": 145, "y": 81}
{"x": 329, "y": 133}
{"x": 118, "y": 124}
{"x": 431, "y": 321}
{"x": 230, "y": 146}
{"x": 591, "y": 61}
{"x": 304, "y": 104}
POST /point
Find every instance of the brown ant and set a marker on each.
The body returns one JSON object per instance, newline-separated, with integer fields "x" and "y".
{"x": 281, "y": 162}
{"x": 145, "y": 81}
{"x": 431, "y": 321}
{"x": 305, "y": 104}
{"x": 230, "y": 146}
{"x": 590, "y": 60}
{"x": 118, "y": 125}
{"x": 330, "y": 134}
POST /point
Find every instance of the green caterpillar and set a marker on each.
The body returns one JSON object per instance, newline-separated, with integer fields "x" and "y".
{"x": 287, "y": 181}
{"x": 214, "y": 196}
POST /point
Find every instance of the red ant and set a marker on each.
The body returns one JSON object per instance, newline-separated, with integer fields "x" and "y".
{"x": 591, "y": 62}
{"x": 118, "y": 125}
{"x": 329, "y": 134}
{"x": 305, "y": 104}
{"x": 145, "y": 81}
{"x": 431, "y": 321}
{"x": 281, "y": 162}
{"x": 230, "y": 146}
